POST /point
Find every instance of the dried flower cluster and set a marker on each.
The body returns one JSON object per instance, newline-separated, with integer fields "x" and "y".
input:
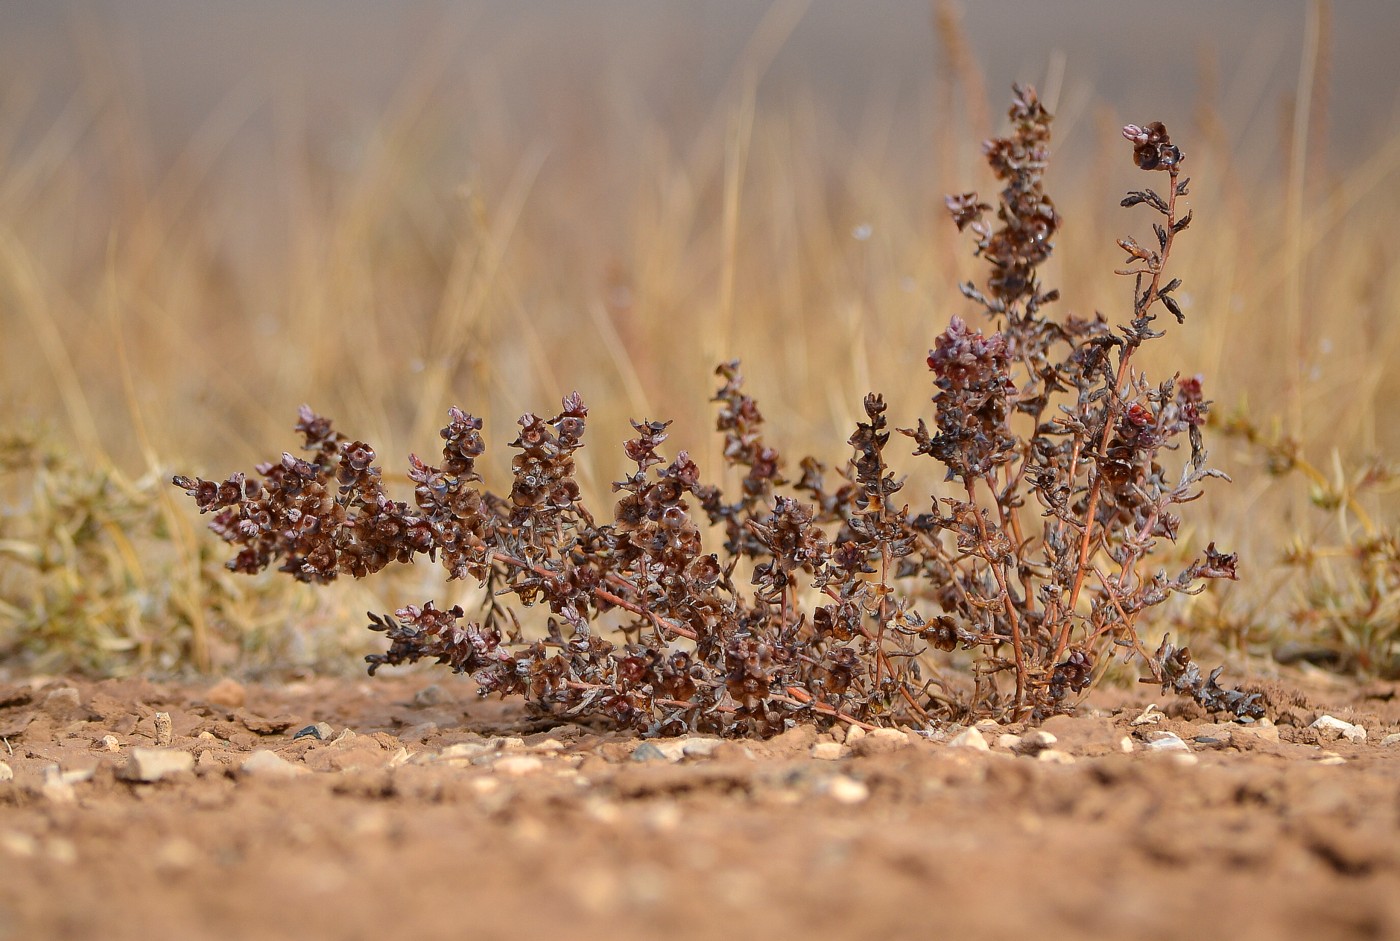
{"x": 1036, "y": 563}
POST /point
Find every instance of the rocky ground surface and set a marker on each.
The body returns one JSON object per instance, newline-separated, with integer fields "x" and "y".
{"x": 406, "y": 807}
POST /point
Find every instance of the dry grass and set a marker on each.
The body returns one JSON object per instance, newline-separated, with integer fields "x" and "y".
{"x": 175, "y": 315}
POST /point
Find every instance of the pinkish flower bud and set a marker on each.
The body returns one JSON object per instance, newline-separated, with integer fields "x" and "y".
{"x": 1135, "y": 134}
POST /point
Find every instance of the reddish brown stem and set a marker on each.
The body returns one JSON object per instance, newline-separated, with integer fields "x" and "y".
{"x": 999, "y": 573}
{"x": 1140, "y": 308}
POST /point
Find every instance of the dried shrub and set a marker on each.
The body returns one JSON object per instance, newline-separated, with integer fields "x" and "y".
{"x": 97, "y": 575}
{"x": 1342, "y": 574}
{"x": 1038, "y": 562}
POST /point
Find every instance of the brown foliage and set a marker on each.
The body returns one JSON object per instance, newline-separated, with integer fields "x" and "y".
{"x": 1038, "y": 564}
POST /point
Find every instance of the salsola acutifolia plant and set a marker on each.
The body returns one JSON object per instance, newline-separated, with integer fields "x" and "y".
{"x": 829, "y": 601}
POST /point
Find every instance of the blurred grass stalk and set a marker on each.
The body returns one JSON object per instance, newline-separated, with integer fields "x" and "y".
{"x": 175, "y": 314}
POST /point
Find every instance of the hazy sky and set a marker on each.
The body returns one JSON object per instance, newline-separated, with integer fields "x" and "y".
{"x": 181, "y": 58}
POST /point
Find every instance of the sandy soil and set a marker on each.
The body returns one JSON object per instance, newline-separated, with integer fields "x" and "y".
{"x": 437, "y": 815}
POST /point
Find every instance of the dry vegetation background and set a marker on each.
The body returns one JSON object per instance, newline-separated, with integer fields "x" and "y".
{"x": 208, "y": 217}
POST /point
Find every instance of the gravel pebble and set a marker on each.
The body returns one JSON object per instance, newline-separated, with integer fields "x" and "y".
{"x": 1166, "y": 742}
{"x": 458, "y": 752}
{"x": 701, "y": 747}
{"x": 320, "y": 731}
{"x": 152, "y": 764}
{"x": 648, "y": 752}
{"x": 879, "y": 741}
{"x": 18, "y": 844}
{"x": 266, "y": 764}
{"x": 517, "y": 765}
{"x": 1330, "y": 727}
{"x": 6, "y": 773}
{"x": 429, "y": 696}
{"x": 828, "y": 751}
{"x": 57, "y": 787}
{"x": 970, "y": 738}
{"x": 846, "y": 790}
{"x": 164, "y": 729}
{"x": 1036, "y": 741}
{"x": 1263, "y": 730}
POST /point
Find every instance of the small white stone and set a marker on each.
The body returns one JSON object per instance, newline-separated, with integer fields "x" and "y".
{"x": 1263, "y": 730}
{"x": 18, "y": 844}
{"x": 518, "y": 765}
{"x": 1327, "y": 725}
{"x": 1009, "y": 742}
{"x": 398, "y": 758}
{"x": 109, "y": 743}
{"x": 457, "y": 753}
{"x": 549, "y": 745}
{"x": 846, "y": 790}
{"x": 701, "y": 747}
{"x": 672, "y": 749}
{"x": 1036, "y": 741}
{"x": 164, "y": 729}
{"x": 1054, "y": 756}
{"x": 664, "y": 817}
{"x": 828, "y": 751}
{"x": 1332, "y": 760}
{"x": 854, "y": 733}
{"x": 602, "y": 810}
{"x": 152, "y": 764}
{"x": 267, "y": 764}
{"x": 894, "y": 736}
{"x": 6, "y": 772}
{"x": 344, "y": 736}
{"x": 970, "y": 738}
{"x": 1166, "y": 742}
{"x": 56, "y": 787}
{"x": 1125, "y": 745}
{"x": 1392, "y": 739}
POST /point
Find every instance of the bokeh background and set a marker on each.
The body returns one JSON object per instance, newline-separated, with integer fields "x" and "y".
{"x": 211, "y": 213}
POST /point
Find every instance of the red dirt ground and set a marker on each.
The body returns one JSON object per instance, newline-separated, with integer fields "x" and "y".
{"x": 444, "y": 816}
